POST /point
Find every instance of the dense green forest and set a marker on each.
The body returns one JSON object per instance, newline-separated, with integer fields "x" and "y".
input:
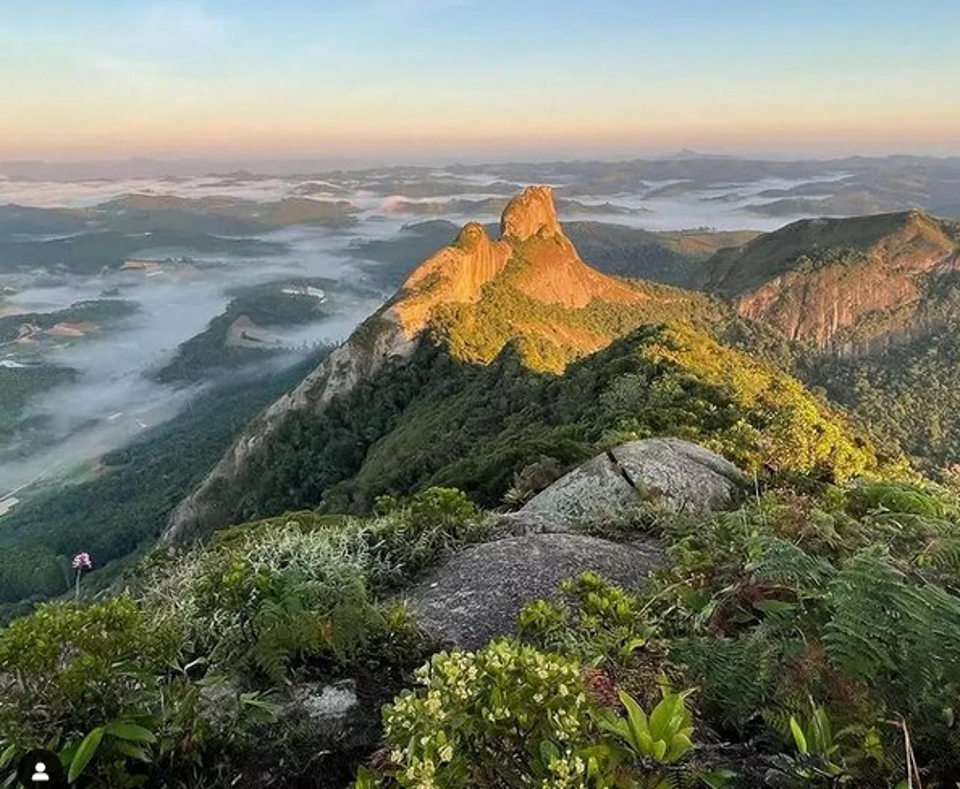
{"x": 909, "y": 395}
{"x": 18, "y": 385}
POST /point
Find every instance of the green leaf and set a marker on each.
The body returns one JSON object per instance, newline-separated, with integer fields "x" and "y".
{"x": 680, "y": 746}
{"x": 7, "y": 756}
{"x": 798, "y": 736}
{"x": 132, "y": 751}
{"x": 716, "y": 779}
{"x": 659, "y": 750}
{"x": 268, "y": 709}
{"x": 662, "y": 714}
{"x": 636, "y": 717}
{"x": 646, "y": 744}
{"x": 548, "y": 752}
{"x": 365, "y": 779}
{"x": 614, "y": 725}
{"x": 824, "y": 732}
{"x": 86, "y": 752}
{"x": 130, "y": 732}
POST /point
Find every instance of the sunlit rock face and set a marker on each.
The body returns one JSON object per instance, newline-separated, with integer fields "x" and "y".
{"x": 531, "y": 213}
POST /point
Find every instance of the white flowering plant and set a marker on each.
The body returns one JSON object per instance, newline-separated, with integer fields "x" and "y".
{"x": 508, "y": 715}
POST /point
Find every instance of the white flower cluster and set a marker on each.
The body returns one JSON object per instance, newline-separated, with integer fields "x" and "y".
{"x": 566, "y": 772}
{"x": 504, "y": 700}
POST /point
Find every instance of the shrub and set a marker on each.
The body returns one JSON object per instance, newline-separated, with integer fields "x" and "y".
{"x": 268, "y": 598}
{"x": 88, "y": 682}
{"x": 300, "y": 590}
{"x": 480, "y": 719}
{"x": 532, "y": 479}
{"x": 595, "y": 621}
{"x": 78, "y": 664}
{"x": 411, "y": 535}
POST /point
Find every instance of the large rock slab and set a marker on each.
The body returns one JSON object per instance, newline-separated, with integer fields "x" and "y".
{"x": 678, "y": 475}
{"x": 477, "y": 594}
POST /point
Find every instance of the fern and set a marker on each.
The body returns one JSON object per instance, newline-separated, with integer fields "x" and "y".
{"x": 734, "y": 674}
{"x": 943, "y": 553}
{"x": 901, "y": 638}
{"x": 785, "y": 564}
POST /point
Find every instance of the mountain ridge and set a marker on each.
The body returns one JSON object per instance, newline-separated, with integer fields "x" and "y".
{"x": 847, "y": 285}
{"x": 475, "y": 297}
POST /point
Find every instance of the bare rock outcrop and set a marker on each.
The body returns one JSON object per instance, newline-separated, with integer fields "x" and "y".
{"x": 529, "y": 214}
{"x": 477, "y": 594}
{"x": 678, "y": 475}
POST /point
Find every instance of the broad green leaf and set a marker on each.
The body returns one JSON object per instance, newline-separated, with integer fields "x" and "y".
{"x": 680, "y": 746}
{"x": 7, "y": 756}
{"x": 798, "y": 736}
{"x": 130, "y": 732}
{"x": 661, "y": 715}
{"x": 646, "y": 744}
{"x": 636, "y": 717}
{"x": 86, "y": 752}
{"x": 132, "y": 751}
{"x": 821, "y": 724}
{"x": 659, "y": 750}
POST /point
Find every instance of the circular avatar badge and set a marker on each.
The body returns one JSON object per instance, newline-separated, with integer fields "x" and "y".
{"x": 39, "y": 769}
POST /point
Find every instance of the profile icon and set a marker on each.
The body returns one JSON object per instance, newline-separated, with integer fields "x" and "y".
{"x": 40, "y": 768}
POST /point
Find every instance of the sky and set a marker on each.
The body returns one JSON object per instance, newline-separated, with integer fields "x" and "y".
{"x": 94, "y": 79}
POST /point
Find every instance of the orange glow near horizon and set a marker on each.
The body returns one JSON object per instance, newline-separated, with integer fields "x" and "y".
{"x": 167, "y": 137}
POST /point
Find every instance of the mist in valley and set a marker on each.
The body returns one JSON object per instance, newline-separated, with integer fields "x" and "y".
{"x": 114, "y": 396}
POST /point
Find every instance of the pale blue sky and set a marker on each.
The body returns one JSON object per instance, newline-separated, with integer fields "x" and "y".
{"x": 119, "y": 77}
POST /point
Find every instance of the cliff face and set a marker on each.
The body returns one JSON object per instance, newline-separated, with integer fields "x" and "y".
{"x": 455, "y": 274}
{"x": 528, "y": 287}
{"x": 845, "y": 285}
{"x": 529, "y": 214}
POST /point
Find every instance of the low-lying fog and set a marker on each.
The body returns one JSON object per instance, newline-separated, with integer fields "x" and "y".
{"x": 112, "y": 399}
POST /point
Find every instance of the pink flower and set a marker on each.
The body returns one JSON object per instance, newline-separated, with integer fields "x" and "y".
{"x": 82, "y": 561}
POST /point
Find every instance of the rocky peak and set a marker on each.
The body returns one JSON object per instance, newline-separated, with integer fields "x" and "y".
{"x": 849, "y": 285}
{"x": 529, "y": 214}
{"x": 471, "y": 237}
